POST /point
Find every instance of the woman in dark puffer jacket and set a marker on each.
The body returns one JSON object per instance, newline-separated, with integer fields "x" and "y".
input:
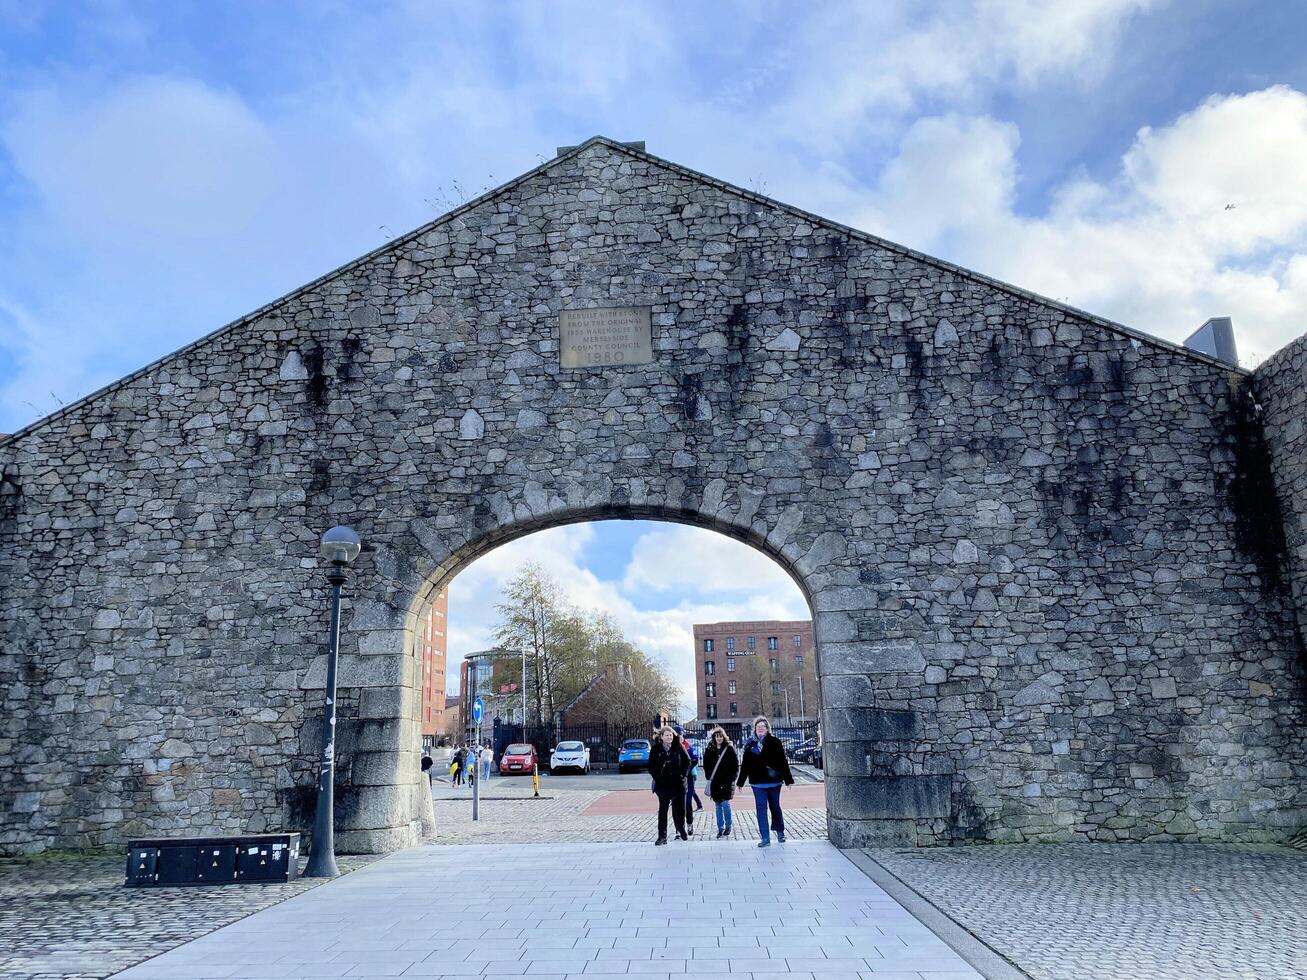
{"x": 765, "y": 768}
{"x": 668, "y": 765}
{"x": 721, "y": 764}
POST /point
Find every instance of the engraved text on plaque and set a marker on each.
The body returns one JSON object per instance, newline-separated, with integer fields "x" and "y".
{"x": 593, "y": 338}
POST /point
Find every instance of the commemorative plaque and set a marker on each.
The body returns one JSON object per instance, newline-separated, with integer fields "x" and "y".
{"x": 595, "y": 338}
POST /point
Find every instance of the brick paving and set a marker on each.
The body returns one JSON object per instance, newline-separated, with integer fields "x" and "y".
{"x": 578, "y": 816}
{"x": 801, "y": 911}
{"x": 1123, "y": 911}
{"x": 72, "y": 919}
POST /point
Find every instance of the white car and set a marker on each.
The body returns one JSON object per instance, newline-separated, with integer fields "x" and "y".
{"x": 570, "y": 755}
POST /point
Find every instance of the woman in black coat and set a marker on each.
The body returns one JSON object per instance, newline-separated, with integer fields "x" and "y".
{"x": 765, "y": 768}
{"x": 669, "y": 764}
{"x": 721, "y": 764}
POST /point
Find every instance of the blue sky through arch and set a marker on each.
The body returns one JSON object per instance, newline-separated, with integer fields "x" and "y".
{"x": 657, "y": 579}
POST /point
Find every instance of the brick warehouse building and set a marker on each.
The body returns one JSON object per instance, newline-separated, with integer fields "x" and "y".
{"x": 749, "y": 668}
{"x": 432, "y": 649}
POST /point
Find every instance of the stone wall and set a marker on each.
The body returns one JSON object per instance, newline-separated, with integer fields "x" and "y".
{"x": 1044, "y": 588}
{"x": 1279, "y": 407}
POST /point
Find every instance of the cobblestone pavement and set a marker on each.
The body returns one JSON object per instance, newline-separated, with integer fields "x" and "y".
{"x": 1123, "y": 911}
{"x": 562, "y": 818}
{"x": 72, "y": 919}
{"x": 801, "y": 911}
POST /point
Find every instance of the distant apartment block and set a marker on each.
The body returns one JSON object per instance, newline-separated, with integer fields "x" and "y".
{"x": 756, "y": 668}
{"x": 432, "y": 649}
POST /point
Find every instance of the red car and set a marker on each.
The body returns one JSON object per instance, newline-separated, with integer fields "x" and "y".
{"x": 518, "y": 759}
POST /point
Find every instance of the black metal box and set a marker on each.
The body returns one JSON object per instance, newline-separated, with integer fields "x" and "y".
{"x": 213, "y": 860}
{"x": 216, "y": 863}
{"x": 176, "y": 865}
{"x": 142, "y": 865}
{"x": 264, "y": 861}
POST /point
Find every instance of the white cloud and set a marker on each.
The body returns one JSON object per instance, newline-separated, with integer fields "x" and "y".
{"x": 655, "y": 603}
{"x": 1156, "y": 248}
{"x": 683, "y": 558}
{"x": 879, "y": 60}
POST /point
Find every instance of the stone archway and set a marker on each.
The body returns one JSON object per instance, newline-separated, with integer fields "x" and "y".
{"x": 1041, "y": 556}
{"x": 447, "y": 564}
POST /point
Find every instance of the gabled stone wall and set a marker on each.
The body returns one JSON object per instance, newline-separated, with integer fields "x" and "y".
{"x": 1036, "y": 546}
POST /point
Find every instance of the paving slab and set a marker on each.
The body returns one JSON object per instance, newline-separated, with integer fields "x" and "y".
{"x": 70, "y": 918}
{"x": 579, "y": 912}
{"x": 1120, "y": 911}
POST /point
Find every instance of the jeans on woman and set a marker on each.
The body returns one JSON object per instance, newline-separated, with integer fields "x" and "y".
{"x": 724, "y": 816}
{"x": 769, "y": 798}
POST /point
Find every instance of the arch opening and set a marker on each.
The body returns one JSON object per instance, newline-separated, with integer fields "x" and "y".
{"x": 699, "y": 560}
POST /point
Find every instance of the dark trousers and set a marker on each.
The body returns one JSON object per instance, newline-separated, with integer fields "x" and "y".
{"x": 765, "y": 799}
{"x": 676, "y": 801}
{"x": 691, "y": 796}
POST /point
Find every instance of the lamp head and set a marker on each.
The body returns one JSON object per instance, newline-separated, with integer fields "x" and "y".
{"x": 340, "y": 545}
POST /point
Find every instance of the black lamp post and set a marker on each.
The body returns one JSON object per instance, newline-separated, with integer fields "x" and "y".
{"x": 340, "y": 546}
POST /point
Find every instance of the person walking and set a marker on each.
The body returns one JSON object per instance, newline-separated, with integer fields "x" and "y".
{"x": 427, "y": 763}
{"x": 722, "y": 764}
{"x": 668, "y": 765}
{"x": 765, "y": 768}
{"x": 487, "y": 760}
{"x": 691, "y": 797}
{"x": 460, "y": 757}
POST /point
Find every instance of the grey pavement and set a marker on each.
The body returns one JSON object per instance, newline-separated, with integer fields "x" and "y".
{"x": 70, "y": 918}
{"x": 800, "y": 911}
{"x": 1123, "y": 911}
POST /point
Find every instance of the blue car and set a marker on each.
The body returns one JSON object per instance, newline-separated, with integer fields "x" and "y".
{"x": 634, "y": 754}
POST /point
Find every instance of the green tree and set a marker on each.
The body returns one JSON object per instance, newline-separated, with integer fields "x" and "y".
{"x": 567, "y": 648}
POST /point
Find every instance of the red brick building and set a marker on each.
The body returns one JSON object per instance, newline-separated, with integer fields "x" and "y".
{"x": 763, "y": 667}
{"x": 432, "y": 648}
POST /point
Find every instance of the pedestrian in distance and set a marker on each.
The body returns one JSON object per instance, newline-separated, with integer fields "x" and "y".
{"x": 456, "y": 770}
{"x": 766, "y": 769}
{"x": 487, "y": 760}
{"x": 722, "y": 764}
{"x": 427, "y": 764}
{"x": 692, "y": 795}
{"x": 668, "y": 765}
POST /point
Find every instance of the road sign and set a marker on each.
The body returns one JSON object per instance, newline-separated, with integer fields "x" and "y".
{"x": 478, "y": 710}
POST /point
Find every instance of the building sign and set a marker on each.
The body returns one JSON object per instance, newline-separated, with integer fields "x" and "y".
{"x": 595, "y": 338}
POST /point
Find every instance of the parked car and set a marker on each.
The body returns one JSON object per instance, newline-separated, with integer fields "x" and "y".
{"x": 570, "y": 755}
{"x": 802, "y": 751}
{"x": 519, "y": 759}
{"x": 634, "y": 754}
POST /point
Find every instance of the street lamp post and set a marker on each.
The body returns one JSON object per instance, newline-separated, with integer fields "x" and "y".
{"x": 340, "y": 546}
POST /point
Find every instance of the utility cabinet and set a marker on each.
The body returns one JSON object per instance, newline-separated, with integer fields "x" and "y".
{"x": 164, "y": 862}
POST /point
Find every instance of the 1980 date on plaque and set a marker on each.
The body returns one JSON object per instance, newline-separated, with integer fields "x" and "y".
{"x": 599, "y": 337}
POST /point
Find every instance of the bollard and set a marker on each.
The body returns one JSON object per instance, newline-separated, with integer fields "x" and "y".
{"x": 535, "y": 781}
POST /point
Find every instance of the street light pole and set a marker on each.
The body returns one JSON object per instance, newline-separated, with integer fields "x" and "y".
{"x": 340, "y": 546}
{"x": 789, "y": 719}
{"x": 803, "y": 711}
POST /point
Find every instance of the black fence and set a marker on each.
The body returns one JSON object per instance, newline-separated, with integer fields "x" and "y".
{"x": 604, "y": 739}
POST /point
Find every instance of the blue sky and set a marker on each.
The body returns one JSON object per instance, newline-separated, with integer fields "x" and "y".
{"x": 656, "y": 579}
{"x": 166, "y": 167}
